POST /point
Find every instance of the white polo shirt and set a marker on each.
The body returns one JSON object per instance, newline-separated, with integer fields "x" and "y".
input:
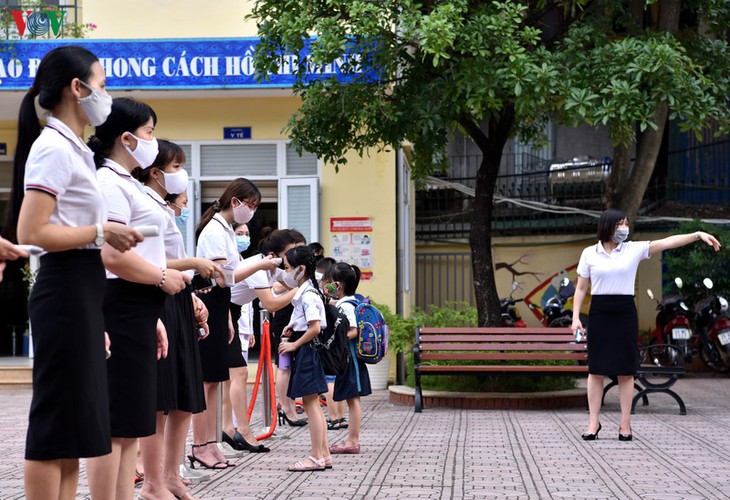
{"x": 217, "y": 241}
{"x": 307, "y": 307}
{"x": 244, "y": 292}
{"x": 347, "y": 306}
{"x": 61, "y": 165}
{"x": 614, "y": 273}
{"x": 174, "y": 245}
{"x": 129, "y": 204}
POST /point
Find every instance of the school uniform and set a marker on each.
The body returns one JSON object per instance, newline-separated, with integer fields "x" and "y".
{"x": 243, "y": 294}
{"x": 613, "y": 322}
{"x": 307, "y": 375}
{"x": 131, "y": 310}
{"x": 69, "y": 410}
{"x": 356, "y": 381}
{"x": 217, "y": 241}
{"x": 180, "y": 374}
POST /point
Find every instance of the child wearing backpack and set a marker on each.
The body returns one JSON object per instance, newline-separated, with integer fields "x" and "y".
{"x": 356, "y": 381}
{"x": 307, "y": 378}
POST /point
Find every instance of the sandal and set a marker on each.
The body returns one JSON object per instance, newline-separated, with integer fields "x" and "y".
{"x": 337, "y": 424}
{"x": 194, "y": 459}
{"x": 138, "y": 476}
{"x": 300, "y": 466}
{"x": 328, "y": 462}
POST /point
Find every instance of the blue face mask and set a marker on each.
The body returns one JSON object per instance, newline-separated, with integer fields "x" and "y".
{"x": 182, "y": 218}
{"x": 242, "y": 243}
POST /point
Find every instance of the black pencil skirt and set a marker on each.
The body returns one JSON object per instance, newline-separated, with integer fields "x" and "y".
{"x": 214, "y": 348}
{"x": 131, "y": 311}
{"x": 612, "y": 336}
{"x": 180, "y": 375}
{"x": 69, "y": 412}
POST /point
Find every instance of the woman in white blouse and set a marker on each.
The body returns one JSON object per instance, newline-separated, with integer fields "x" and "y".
{"x": 609, "y": 267}
{"x": 58, "y": 205}
{"x": 137, "y": 282}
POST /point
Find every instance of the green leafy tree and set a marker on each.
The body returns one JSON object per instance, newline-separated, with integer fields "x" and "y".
{"x": 493, "y": 70}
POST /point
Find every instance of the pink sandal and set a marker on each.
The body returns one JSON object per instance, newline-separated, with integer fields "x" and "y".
{"x": 327, "y": 462}
{"x": 300, "y": 466}
{"x": 343, "y": 449}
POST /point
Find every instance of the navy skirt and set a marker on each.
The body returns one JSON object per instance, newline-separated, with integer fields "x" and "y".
{"x": 69, "y": 412}
{"x": 307, "y": 377}
{"x": 612, "y": 336}
{"x": 355, "y": 382}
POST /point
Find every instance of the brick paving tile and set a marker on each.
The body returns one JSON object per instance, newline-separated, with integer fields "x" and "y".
{"x": 451, "y": 453}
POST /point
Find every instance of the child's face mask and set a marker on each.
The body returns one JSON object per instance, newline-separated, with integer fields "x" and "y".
{"x": 331, "y": 289}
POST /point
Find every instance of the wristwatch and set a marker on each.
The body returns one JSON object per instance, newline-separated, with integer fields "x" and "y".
{"x": 99, "y": 240}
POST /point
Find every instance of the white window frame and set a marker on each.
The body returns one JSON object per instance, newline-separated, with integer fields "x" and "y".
{"x": 313, "y": 184}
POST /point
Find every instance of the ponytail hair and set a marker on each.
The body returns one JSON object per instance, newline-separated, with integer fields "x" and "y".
{"x": 303, "y": 256}
{"x": 241, "y": 189}
{"x": 56, "y": 71}
{"x": 127, "y": 116}
{"x": 348, "y": 276}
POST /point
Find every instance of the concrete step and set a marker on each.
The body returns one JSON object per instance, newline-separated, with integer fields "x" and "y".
{"x": 16, "y": 377}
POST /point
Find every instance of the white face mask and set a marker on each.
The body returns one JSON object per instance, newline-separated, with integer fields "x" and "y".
{"x": 291, "y": 278}
{"x": 97, "y": 106}
{"x": 176, "y": 183}
{"x": 145, "y": 152}
{"x": 620, "y": 235}
{"x": 242, "y": 213}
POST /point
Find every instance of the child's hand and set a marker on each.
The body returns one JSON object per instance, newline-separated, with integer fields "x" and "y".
{"x": 287, "y": 332}
{"x": 287, "y": 347}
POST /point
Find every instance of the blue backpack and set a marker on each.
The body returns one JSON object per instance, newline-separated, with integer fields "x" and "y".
{"x": 371, "y": 343}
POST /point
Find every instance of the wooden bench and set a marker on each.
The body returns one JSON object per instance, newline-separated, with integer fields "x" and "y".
{"x": 520, "y": 346}
{"x": 496, "y": 346}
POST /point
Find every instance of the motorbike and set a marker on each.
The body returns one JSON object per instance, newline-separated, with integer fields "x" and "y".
{"x": 554, "y": 314}
{"x": 713, "y": 330}
{"x": 510, "y": 315}
{"x": 672, "y": 327}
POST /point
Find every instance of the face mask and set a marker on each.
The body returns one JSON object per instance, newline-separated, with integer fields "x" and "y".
{"x": 242, "y": 214}
{"x": 145, "y": 152}
{"x": 175, "y": 183}
{"x": 97, "y": 106}
{"x": 620, "y": 235}
{"x": 242, "y": 243}
{"x": 318, "y": 276}
{"x": 331, "y": 289}
{"x": 291, "y": 278}
{"x": 181, "y": 219}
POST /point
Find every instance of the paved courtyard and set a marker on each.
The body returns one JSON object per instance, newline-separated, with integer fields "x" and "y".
{"x": 448, "y": 453}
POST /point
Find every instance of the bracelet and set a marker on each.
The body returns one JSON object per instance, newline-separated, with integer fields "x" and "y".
{"x": 164, "y": 277}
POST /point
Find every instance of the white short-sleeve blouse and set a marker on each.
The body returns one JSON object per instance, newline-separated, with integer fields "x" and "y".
{"x": 614, "y": 273}
{"x": 308, "y": 306}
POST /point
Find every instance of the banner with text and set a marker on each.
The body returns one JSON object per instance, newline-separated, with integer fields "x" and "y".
{"x": 215, "y": 63}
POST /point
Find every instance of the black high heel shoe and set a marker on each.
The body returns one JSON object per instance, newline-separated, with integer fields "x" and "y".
{"x": 242, "y": 444}
{"x": 592, "y": 436}
{"x": 294, "y": 423}
{"x": 193, "y": 459}
{"x": 228, "y": 439}
{"x": 625, "y": 437}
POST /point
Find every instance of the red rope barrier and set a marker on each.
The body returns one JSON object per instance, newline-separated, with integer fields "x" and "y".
{"x": 265, "y": 364}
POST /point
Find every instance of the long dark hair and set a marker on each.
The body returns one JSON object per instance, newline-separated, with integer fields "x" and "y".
{"x": 127, "y": 116}
{"x": 303, "y": 256}
{"x": 167, "y": 153}
{"x": 241, "y": 189}
{"x": 55, "y": 72}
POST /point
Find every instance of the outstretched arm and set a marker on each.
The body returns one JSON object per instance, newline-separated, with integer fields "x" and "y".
{"x": 680, "y": 240}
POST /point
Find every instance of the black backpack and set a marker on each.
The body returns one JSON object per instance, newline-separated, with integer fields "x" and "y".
{"x": 332, "y": 344}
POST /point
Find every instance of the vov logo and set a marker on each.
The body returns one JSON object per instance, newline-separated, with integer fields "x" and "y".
{"x": 38, "y": 22}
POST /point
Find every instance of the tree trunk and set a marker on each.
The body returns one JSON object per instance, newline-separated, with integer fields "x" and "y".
{"x": 633, "y": 192}
{"x": 480, "y": 236}
{"x": 646, "y": 156}
{"x": 616, "y": 182}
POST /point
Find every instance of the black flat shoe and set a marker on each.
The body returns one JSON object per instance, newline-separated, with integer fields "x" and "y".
{"x": 592, "y": 436}
{"x": 294, "y": 423}
{"x": 242, "y": 444}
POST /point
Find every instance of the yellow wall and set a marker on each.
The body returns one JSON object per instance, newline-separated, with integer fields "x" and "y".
{"x": 168, "y": 18}
{"x": 545, "y": 256}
